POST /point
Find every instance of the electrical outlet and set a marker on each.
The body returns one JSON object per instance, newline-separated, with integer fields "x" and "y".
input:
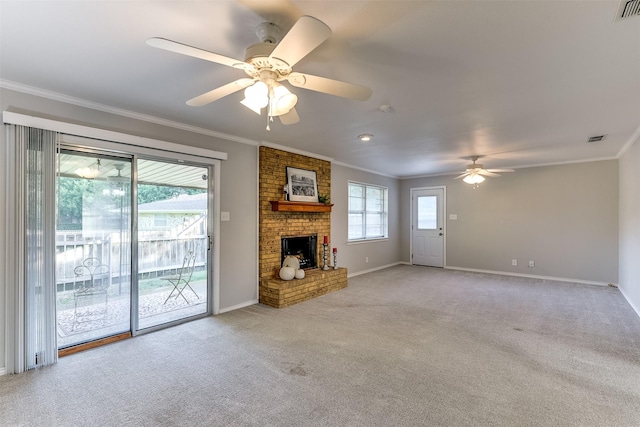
{"x": 366, "y": 260}
{"x": 531, "y": 264}
{"x": 514, "y": 262}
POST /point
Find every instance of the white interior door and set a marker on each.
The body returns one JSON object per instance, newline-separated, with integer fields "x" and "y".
{"x": 427, "y": 227}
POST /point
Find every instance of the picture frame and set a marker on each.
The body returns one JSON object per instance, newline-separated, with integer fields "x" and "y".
{"x": 302, "y": 185}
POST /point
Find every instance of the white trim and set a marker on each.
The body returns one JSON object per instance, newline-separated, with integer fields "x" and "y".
{"x": 539, "y": 165}
{"x": 238, "y": 306}
{"x": 295, "y": 151}
{"x": 371, "y": 270}
{"x": 364, "y": 210}
{"x": 3, "y": 371}
{"x": 346, "y": 165}
{"x": 217, "y": 248}
{"x": 636, "y": 309}
{"x": 119, "y": 111}
{"x": 635, "y": 137}
{"x": 257, "y": 204}
{"x": 123, "y": 148}
{"x": 370, "y": 240}
{"x": 530, "y": 276}
{"x": 107, "y": 135}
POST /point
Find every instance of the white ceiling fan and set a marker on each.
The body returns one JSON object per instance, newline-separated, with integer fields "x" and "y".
{"x": 268, "y": 63}
{"x": 476, "y": 172}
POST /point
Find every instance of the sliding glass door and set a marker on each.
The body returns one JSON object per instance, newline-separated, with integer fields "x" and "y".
{"x": 93, "y": 246}
{"x": 132, "y": 243}
{"x": 173, "y": 242}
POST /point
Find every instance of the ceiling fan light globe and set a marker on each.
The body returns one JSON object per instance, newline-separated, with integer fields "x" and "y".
{"x": 473, "y": 179}
{"x": 253, "y": 106}
{"x": 285, "y": 103}
{"x": 282, "y": 100}
{"x": 256, "y": 97}
{"x": 257, "y": 94}
{"x": 86, "y": 172}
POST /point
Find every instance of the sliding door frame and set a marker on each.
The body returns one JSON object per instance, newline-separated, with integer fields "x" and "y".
{"x": 136, "y": 152}
{"x": 213, "y": 228}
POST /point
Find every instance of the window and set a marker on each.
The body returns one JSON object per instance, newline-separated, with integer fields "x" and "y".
{"x": 427, "y": 212}
{"x": 367, "y": 212}
{"x": 160, "y": 220}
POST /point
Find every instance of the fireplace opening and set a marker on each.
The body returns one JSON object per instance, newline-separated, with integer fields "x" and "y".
{"x": 303, "y": 247}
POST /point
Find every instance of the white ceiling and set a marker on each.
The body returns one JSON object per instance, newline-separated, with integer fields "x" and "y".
{"x": 520, "y": 82}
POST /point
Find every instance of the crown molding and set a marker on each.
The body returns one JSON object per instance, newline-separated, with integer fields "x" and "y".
{"x": 539, "y": 165}
{"x": 635, "y": 137}
{"x": 55, "y": 96}
{"x": 346, "y": 165}
{"x": 295, "y": 151}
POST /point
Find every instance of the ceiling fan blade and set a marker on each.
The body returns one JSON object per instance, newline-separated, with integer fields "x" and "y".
{"x": 330, "y": 86}
{"x": 290, "y": 118}
{"x": 195, "y": 52}
{"x": 501, "y": 170}
{"x": 487, "y": 173}
{"x": 461, "y": 176}
{"x": 305, "y": 35}
{"x": 220, "y": 92}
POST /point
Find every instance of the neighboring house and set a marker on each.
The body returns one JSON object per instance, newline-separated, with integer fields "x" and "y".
{"x": 181, "y": 215}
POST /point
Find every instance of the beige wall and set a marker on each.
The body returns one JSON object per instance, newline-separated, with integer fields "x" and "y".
{"x": 380, "y": 253}
{"x": 564, "y": 218}
{"x": 630, "y": 226}
{"x": 238, "y": 195}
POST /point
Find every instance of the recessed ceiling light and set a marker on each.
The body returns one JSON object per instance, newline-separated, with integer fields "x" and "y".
{"x": 365, "y": 137}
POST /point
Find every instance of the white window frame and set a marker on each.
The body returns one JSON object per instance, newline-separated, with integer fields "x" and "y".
{"x": 364, "y": 212}
{"x": 160, "y": 220}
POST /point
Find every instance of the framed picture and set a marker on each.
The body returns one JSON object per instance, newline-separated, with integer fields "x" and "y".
{"x": 302, "y": 185}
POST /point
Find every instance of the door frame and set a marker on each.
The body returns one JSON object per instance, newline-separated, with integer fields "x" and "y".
{"x": 87, "y": 144}
{"x": 412, "y": 191}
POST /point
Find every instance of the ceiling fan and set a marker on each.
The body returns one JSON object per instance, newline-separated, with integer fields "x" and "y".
{"x": 268, "y": 63}
{"x": 476, "y": 172}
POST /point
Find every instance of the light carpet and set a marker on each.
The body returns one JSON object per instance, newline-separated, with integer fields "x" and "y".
{"x": 404, "y": 346}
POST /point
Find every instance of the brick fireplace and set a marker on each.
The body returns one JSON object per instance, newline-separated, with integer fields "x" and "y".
{"x": 303, "y": 220}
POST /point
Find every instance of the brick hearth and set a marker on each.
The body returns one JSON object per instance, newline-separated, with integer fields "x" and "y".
{"x": 279, "y": 293}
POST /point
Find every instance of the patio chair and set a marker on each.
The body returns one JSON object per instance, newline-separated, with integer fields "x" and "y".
{"x": 98, "y": 284}
{"x": 182, "y": 280}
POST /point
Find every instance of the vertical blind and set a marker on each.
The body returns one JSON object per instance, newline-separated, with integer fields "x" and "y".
{"x": 31, "y": 315}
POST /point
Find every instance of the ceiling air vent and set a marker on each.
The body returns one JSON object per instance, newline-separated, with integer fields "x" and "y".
{"x": 596, "y": 138}
{"x": 629, "y": 8}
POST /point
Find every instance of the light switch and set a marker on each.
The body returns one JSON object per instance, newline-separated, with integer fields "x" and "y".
{"x": 453, "y": 216}
{"x": 224, "y": 216}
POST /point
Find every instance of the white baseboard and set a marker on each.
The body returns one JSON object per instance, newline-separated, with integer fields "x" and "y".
{"x": 3, "y": 371}
{"x": 531, "y": 276}
{"x": 373, "y": 269}
{"x": 238, "y": 306}
{"x": 629, "y": 301}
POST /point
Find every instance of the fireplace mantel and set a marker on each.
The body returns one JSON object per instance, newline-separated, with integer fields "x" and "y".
{"x": 285, "y": 206}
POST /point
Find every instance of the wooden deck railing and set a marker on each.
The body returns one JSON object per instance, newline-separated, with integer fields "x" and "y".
{"x": 157, "y": 255}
